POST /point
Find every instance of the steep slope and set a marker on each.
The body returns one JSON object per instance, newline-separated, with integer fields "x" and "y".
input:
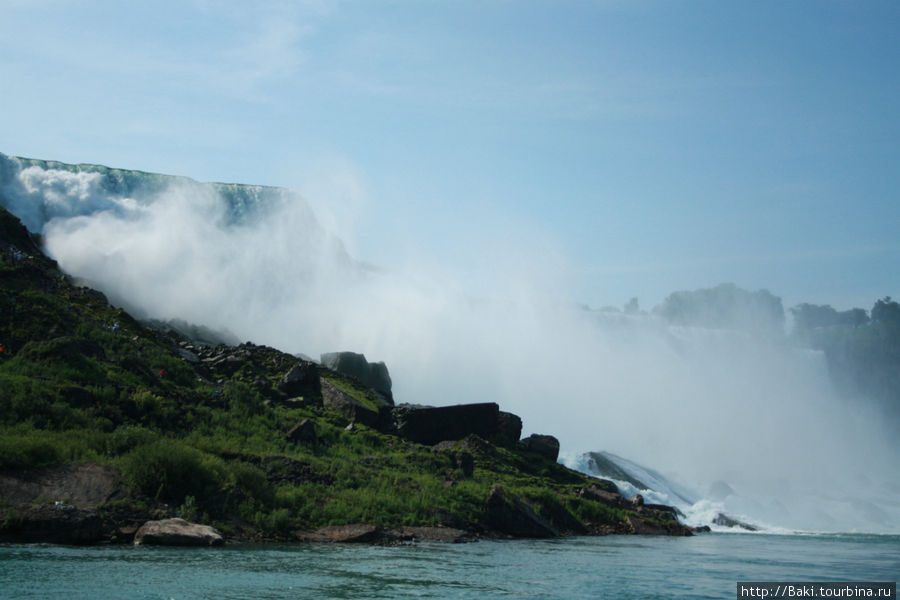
{"x": 261, "y": 444}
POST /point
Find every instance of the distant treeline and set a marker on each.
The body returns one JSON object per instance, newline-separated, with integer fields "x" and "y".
{"x": 862, "y": 348}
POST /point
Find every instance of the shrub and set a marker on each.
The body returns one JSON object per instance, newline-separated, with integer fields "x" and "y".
{"x": 170, "y": 470}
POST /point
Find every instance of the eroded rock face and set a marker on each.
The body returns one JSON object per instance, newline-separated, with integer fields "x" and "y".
{"x": 545, "y": 445}
{"x": 82, "y": 485}
{"x": 177, "y": 532}
{"x": 373, "y": 375}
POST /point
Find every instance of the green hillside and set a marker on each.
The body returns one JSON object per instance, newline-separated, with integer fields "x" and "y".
{"x": 217, "y": 434}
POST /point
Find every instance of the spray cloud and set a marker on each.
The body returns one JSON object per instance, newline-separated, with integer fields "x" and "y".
{"x": 701, "y": 405}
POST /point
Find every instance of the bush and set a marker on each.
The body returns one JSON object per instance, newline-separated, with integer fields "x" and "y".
{"x": 169, "y": 470}
{"x": 17, "y": 452}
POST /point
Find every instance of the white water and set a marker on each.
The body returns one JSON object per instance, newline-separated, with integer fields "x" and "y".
{"x": 699, "y": 405}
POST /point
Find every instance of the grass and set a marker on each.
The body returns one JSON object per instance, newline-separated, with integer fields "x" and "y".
{"x": 213, "y": 443}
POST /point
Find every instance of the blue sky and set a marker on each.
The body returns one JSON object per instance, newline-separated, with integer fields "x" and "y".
{"x": 642, "y": 147}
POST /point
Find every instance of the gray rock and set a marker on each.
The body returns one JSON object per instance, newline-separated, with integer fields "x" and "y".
{"x": 177, "y": 532}
{"x": 373, "y": 375}
{"x": 545, "y": 445}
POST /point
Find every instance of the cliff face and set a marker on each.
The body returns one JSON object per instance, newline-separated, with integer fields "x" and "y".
{"x": 254, "y": 440}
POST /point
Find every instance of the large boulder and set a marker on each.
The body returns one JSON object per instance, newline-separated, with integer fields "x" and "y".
{"x": 545, "y": 445}
{"x": 430, "y": 425}
{"x": 509, "y": 428}
{"x": 177, "y": 532}
{"x": 373, "y": 375}
{"x": 508, "y": 514}
{"x": 302, "y": 379}
{"x": 347, "y": 406}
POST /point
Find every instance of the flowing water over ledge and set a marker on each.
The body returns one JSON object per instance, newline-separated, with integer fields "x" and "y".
{"x": 704, "y": 566}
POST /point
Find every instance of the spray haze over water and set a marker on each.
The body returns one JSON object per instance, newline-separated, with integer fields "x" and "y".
{"x": 699, "y": 405}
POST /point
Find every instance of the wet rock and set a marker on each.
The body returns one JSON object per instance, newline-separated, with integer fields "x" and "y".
{"x": 340, "y": 534}
{"x": 508, "y": 514}
{"x": 177, "y": 532}
{"x": 726, "y": 521}
{"x": 545, "y": 445}
{"x": 449, "y": 535}
{"x": 373, "y": 375}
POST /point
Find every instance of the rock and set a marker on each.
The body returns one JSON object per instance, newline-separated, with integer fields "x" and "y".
{"x": 373, "y": 375}
{"x": 726, "y": 521}
{"x": 189, "y": 356}
{"x": 50, "y": 524}
{"x": 349, "y": 407}
{"x": 303, "y": 433}
{"x": 302, "y": 379}
{"x": 545, "y": 445}
{"x": 597, "y": 494}
{"x": 506, "y": 513}
{"x": 449, "y": 535}
{"x": 340, "y": 534}
{"x": 82, "y": 485}
{"x": 177, "y": 532}
{"x": 430, "y": 425}
{"x": 636, "y": 500}
{"x": 509, "y": 428}
{"x": 643, "y": 527}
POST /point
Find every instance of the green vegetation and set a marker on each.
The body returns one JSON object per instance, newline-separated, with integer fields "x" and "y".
{"x": 82, "y": 381}
{"x": 863, "y": 351}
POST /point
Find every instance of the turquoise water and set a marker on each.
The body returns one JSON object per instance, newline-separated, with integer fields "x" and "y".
{"x": 704, "y": 566}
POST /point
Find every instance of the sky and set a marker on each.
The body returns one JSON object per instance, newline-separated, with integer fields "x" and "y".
{"x": 636, "y": 147}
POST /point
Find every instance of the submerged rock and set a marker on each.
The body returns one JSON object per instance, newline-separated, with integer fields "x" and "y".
{"x": 177, "y": 532}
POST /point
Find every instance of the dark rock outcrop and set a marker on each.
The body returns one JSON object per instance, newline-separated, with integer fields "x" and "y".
{"x": 430, "y": 425}
{"x": 302, "y": 379}
{"x": 545, "y": 445}
{"x": 177, "y": 532}
{"x": 509, "y": 428}
{"x": 373, "y": 375}
{"x": 507, "y": 514}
